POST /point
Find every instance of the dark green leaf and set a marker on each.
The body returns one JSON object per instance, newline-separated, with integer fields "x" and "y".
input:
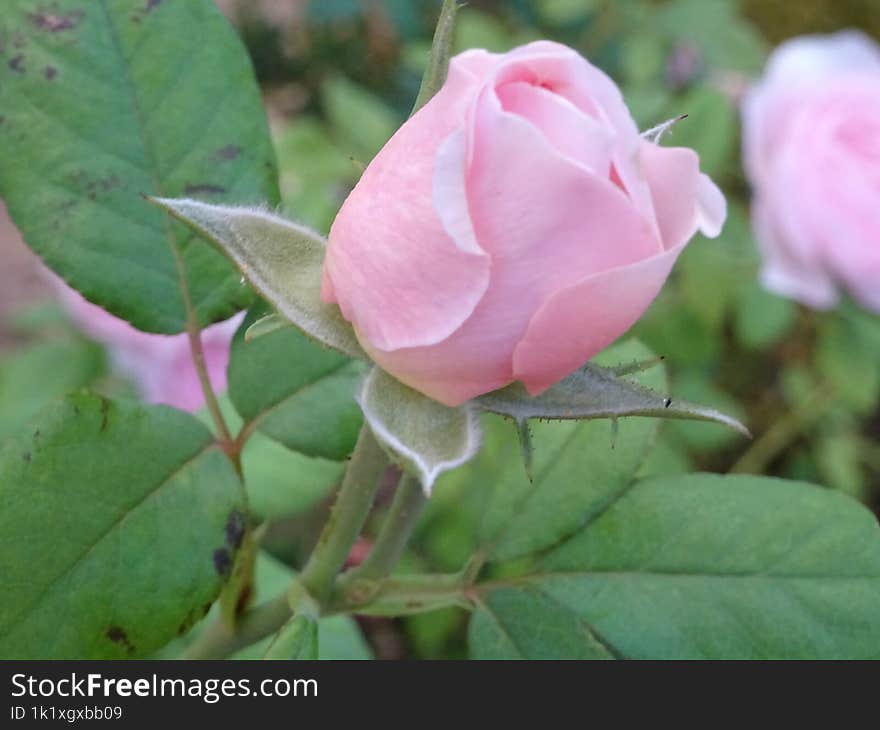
{"x": 522, "y": 623}
{"x": 296, "y": 391}
{"x": 33, "y": 377}
{"x": 118, "y": 525}
{"x": 105, "y": 101}
{"x": 705, "y": 566}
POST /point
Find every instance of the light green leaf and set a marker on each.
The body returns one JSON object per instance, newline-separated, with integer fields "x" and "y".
{"x": 33, "y": 377}
{"x": 117, "y": 529}
{"x": 281, "y": 483}
{"x": 425, "y": 437}
{"x": 522, "y": 623}
{"x": 281, "y": 259}
{"x": 712, "y": 567}
{"x": 296, "y": 392}
{"x": 105, "y": 101}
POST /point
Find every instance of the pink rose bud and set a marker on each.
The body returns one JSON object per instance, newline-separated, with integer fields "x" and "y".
{"x": 160, "y": 366}
{"x": 512, "y": 228}
{"x": 811, "y": 145}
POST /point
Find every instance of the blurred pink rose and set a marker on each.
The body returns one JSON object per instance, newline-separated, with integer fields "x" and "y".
{"x": 514, "y": 227}
{"x": 159, "y": 365}
{"x": 811, "y": 144}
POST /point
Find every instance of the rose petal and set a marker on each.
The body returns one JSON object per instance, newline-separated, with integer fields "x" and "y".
{"x": 577, "y": 322}
{"x": 794, "y": 65}
{"x": 571, "y": 132}
{"x": 395, "y": 271}
{"x": 685, "y": 200}
{"x": 784, "y": 271}
{"x": 568, "y": 74}
{"x": 545, "y": 221}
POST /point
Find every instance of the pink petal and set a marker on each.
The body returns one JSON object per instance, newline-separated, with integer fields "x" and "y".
{"x": 568, "y": 74}
{"x": 577, "y": 322}
{"x": 546, "y": 222}
{"x": 571, "y": 132}
{"x": 795, "y": 66}
{"x": 684, "y": 199}
{"x": 394, "y": 269}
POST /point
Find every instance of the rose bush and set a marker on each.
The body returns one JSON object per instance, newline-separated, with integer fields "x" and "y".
{"x": 513, "y": 227}
{"x": 811, "y": 147}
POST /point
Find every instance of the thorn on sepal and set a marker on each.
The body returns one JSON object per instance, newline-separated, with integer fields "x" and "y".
{"x": 525, "y": 445}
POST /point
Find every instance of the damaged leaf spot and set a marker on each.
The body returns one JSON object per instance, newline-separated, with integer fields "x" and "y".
{"x": 50, "y": 72}
{"x": 229, "y": 152}
{"x": 93, "y": 187}
{"x": 56, "y": 22}
{"x": 117, "y": 635}
{"x": 235, "y": 528}
{"x": 16, "y": 63}
{"x": 222, "y": 562}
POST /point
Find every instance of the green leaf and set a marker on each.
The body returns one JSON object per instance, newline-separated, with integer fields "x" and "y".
{"x": 296, "y": 392}
{"x": 279, "y": 483}
{"x": 712, "y": 567}
{"x": 281, "y": 259}
{"x": 522, "y": 623}
{"x": 441, "y": 50}
{"x": 282, "y": 483}
{"x": 105, "y": 101}
{"x": 34, "y": 377}
{"x": 118, "y": 530}
{"x": 338, "y": 636}
{"x": 578, "y": 467}
{"x": 425, "y": 437}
